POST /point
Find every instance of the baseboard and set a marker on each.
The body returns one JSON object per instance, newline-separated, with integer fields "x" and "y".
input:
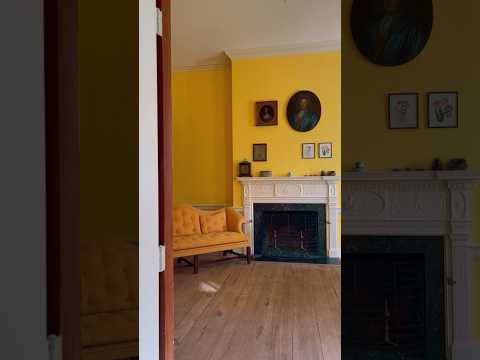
{"x": 466, "y": 351}
{"x": 335, "y": 253}
{"x": 476, "y": 350}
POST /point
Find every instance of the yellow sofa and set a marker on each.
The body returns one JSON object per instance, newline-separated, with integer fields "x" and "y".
{"x": 197, "y": 232}
{"x": 109, "y": 306}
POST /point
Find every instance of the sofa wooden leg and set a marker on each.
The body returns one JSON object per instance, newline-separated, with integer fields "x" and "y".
{"x": 249, "y": 254}
{"x": 195, "y": 264}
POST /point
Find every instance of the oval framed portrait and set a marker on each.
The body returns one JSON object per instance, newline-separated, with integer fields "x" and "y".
{"x": 391, "y": 32}
{"x": 304, "y": 111}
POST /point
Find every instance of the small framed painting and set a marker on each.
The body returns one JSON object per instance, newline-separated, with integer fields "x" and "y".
{"x": 259, "y": 152}
{"x": 308, "y": 151}
{"x": 443, "y": 109}
{"x": 403, "y": 111}
{"x": 266, "y": 113}
{"x": 325, "y": 150}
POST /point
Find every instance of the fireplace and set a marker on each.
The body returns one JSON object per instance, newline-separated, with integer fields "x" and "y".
{"x": 393, "y": 298}
{"x": 290, "y": 232}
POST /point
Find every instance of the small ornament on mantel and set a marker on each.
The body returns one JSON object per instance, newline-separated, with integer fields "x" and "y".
{"x": 437, "y": 165}
{"x": 245, "y": 169}
{"x": 359, "y": 166}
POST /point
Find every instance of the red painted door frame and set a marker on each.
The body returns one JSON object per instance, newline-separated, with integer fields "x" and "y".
{"x": 165, "y": 181}
{"x": 62, "y": 174}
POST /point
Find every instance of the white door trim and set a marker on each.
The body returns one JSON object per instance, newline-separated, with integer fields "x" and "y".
{"x": 148, "y": 184}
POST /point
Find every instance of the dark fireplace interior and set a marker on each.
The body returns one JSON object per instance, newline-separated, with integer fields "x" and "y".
{"x": 392, "y": 298}
{"x": 289, "y": 232}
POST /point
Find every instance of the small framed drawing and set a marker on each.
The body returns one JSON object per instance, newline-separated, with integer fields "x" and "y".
{"x": 403, "y": 111}
{"x": 325, "y": 150}
{"x": 266, "y": 113}
{"x": 443, "y": 109}
{"x": 308, "y": 151}
{"x": 259, "y": 152}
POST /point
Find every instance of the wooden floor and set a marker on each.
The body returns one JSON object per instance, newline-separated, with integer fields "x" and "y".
{"x": 235, "y": 311}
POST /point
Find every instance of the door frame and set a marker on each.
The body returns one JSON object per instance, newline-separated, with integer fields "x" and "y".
{"x": 155, "y": 184}
{"x": 165, "y": 184}
{"x": 62, "y": 174}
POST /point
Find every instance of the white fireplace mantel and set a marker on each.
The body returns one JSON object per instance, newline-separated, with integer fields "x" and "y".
{"x": 294, "y": 190}
{"x": 423, "y": 203}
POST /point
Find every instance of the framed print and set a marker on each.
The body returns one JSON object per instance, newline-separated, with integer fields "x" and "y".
{"x": 325, "y": 150}
{"x": 391, "y": 32}
{"x": 304, "y": 111}
{"x": 308, "y": 151}
{"x": 266, "y": 113}
{"x": 259, "y": 152}
{"x": 443, "y": 109}
{"x": 403, "y": 111}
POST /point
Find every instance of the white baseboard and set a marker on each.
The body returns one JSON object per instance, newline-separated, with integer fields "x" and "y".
{"x": 335, "y": 253}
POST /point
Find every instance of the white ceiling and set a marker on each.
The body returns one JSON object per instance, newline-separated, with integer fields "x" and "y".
{"x": 203, "y": 29}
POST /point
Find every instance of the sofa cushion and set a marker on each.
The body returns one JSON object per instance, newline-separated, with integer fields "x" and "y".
{"x": 109, "y": 328}
{"x": 215, "y": 222}
{"x": 186, "y": 221}
{"x": 203, "y": 240}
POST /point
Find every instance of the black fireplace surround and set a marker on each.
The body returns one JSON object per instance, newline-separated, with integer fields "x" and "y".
{"x": 290, "y": 232}
{"x": 393, "y": 298}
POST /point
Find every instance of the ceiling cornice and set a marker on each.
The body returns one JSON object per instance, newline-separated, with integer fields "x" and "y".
{"x": 205, "y": 67}
{"x": 290, "y": 49}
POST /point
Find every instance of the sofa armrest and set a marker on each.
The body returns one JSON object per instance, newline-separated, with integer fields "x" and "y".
{"x": 234, "y": 220}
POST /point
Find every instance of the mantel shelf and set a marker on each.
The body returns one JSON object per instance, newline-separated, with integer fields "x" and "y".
{"x": 288, "y": 178}
{"x": 466, "y": 175}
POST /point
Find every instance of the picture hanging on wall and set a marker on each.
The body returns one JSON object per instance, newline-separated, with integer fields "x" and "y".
{"x": 304, "y": 111}
{"x": 443, "y": 110}
{"x": 403, "y": 111}
{"x": 308, "y": 151}
{"x": 266, "y": 113}
{"x": 391, "y": 32}
{"x": 325, "y": 150}
{"x": 259, "y": 152}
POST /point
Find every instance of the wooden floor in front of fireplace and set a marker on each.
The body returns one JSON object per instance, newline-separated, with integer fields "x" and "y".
{"x": 262, "y": 311}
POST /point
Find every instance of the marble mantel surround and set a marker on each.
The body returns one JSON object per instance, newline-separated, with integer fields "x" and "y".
{"x": 294, "y": 190}
{"x": 424, "y": 203}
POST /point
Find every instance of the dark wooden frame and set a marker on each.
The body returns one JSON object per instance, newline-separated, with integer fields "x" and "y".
{"x": 165, "y": 169}
{"x": 390, "y": 115}
{"x": 196, "y": 258}
{"x": 62, "y": 174}
{"x": 259, "y": 105}
{"x": 325, "y": 157}
{"x": 456, "y": 109}
{"x": 266, "y": 153}
{"x": 314, "y": 152}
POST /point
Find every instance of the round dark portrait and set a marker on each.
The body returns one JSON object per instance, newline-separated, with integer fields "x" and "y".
{"x": 267, "y": 113}
{"x": 391, "y": 32}
{"x": 304, "y": 111}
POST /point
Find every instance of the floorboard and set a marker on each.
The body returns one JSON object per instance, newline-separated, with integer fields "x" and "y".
{"x": 262, "y": 311}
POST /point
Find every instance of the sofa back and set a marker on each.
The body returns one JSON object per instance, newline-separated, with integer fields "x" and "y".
{"x": 109, "y": 272}
{"x": 188, "y": 220}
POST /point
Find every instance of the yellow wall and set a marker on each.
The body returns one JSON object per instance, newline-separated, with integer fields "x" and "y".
{"x": 447, "y": 63}
{"x": 278, "y": 78}
{"x": 202, "y": 131}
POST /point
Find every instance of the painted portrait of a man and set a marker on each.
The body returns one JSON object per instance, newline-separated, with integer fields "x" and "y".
{"x": 304, "y": 111}
{"x": 391, "y": 32}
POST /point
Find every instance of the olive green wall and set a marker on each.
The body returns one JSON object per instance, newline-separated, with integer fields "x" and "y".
{"x": 108, "y": 68}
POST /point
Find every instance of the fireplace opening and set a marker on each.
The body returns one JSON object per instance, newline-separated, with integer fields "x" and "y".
{"x": 393, "y": 298}
{"x": 287, "y": 232}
